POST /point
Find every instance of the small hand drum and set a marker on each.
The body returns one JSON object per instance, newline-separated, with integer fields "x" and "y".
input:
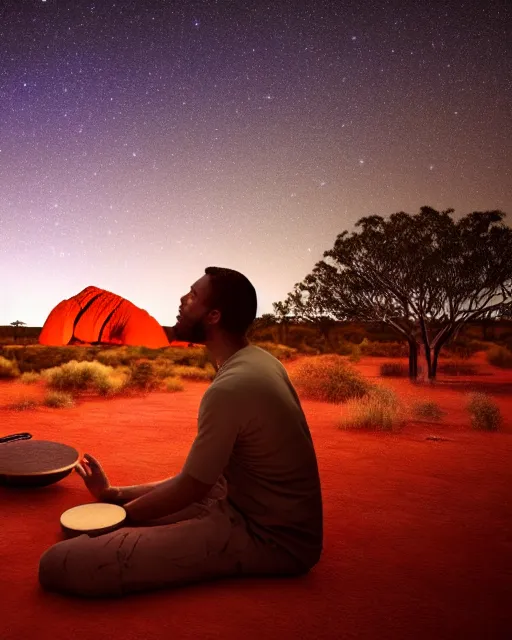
{"x": 35, "y": 463}
{"x": 93, "y": 519}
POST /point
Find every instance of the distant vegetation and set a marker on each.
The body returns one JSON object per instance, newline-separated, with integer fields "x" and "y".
{"x": 8, "y": 368}
{"x": 118, "y": 370}
{"x": 500, "y": 356}
{"x": 301, "y": 338}
{"x": 73, "y": 371}
{"x": 395, "y": 370}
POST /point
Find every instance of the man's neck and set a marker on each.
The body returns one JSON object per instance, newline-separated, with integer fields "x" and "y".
{"x": 222, "y": 349}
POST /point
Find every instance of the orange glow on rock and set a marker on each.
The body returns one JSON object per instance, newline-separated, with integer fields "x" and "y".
{"x": 98, "y": 316}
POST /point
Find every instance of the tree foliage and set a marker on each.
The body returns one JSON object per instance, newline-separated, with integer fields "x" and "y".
{"x": 425, "y": 275}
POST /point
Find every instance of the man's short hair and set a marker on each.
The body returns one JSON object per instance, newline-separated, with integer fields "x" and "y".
{"x": 235, "y": 297}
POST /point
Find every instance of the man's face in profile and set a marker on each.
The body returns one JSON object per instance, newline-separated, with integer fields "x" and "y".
{"x": 194, "y": 309}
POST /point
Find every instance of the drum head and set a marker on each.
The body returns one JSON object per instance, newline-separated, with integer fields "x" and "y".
{"x": 35, "y": 463}
{"x": 95, "y": 518}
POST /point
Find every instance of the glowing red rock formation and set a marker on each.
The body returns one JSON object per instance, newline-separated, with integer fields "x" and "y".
{"x": 98, "y": 316}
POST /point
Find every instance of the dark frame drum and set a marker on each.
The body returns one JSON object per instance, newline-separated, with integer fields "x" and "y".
{"x": 35, "y": 463}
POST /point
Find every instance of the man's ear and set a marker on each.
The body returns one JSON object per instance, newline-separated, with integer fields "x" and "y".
{"x": 214, "y": 316}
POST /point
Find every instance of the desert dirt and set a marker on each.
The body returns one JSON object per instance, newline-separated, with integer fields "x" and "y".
{"x": 418, "y": 531}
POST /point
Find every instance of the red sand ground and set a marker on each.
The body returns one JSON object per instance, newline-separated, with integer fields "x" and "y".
{"x": 418, "y": 533}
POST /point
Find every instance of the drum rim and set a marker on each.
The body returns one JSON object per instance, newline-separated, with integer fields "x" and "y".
{"x": 30, "y": 474}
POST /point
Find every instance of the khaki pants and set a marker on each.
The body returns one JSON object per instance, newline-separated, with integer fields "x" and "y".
{"x": 207, "y": 540}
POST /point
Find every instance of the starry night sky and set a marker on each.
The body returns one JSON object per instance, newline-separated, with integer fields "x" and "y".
{"x": 141, "y": 142}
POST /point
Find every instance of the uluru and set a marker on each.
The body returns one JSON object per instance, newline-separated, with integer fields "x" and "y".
{"x": 97, "y": 316}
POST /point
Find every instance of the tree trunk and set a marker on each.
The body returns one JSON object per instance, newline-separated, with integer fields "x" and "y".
{"x": 428, "y": 358}
{"x": 413, "y": 359}
{"x": 428, "y": 349}
{"x": 437, "y": 349}
{"x": 438, "y": 345}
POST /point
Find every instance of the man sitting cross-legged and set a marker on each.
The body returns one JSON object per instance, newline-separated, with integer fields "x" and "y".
{"x": 248, "y": 498}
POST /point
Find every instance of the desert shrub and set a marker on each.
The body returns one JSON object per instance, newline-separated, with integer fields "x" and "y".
{"x": 8, "y": 369}
{"x": 384, "y": 349}
{"x": 464, "y": 348}
{"x": 78, "y": 376}
{"x": 114, "y": 357}
{"x": 330, "y": 379}
{"x": 324, "y": 348}
{"x": 500, "y": 357}
{"x": 307, "y": 350}
{"x": 355, "y": 355}
{"x": 173, "y": 384}
{"x": 58, "y": 400}
{"x": 279, "y": 351}
{"x": 163, "y": 368}
{"x": 344, "y": 348}
{"x": 190, "y": 357}
{"x": 142, "y": 375}
{"x": 352, "y": 333}
{"x": 485, "y": 413}
{"x": 428, "y": 410}
{"x": 267, "y": 334}
{"x": 142, "y": 353}
{"x": 23, "y": 404}
{"x": 481, "y": 345}
{"x": 394, "y": 370}
{"x": 30, "y": 377}
{"x": 195, "y": 373}
{"x": 504, "y": 342}
{"x": 457, "y": 368}
{"x": 379, "y": 410}
{"x": 117, "y": 382}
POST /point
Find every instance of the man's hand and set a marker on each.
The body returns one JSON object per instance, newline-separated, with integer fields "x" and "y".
{"x": 94, "y": 477}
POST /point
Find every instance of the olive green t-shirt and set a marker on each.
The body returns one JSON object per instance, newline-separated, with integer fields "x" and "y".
{"x": 252, "y": 430}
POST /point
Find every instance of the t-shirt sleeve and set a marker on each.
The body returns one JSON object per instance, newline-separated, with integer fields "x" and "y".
{"x": 218, "y": 428}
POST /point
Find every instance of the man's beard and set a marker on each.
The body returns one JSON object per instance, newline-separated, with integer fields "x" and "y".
{"x": 195, "y": 332}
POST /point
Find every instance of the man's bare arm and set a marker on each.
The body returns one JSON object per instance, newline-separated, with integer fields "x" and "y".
{"x": 122, "y": 495}
{"x": 170, "y": 496}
